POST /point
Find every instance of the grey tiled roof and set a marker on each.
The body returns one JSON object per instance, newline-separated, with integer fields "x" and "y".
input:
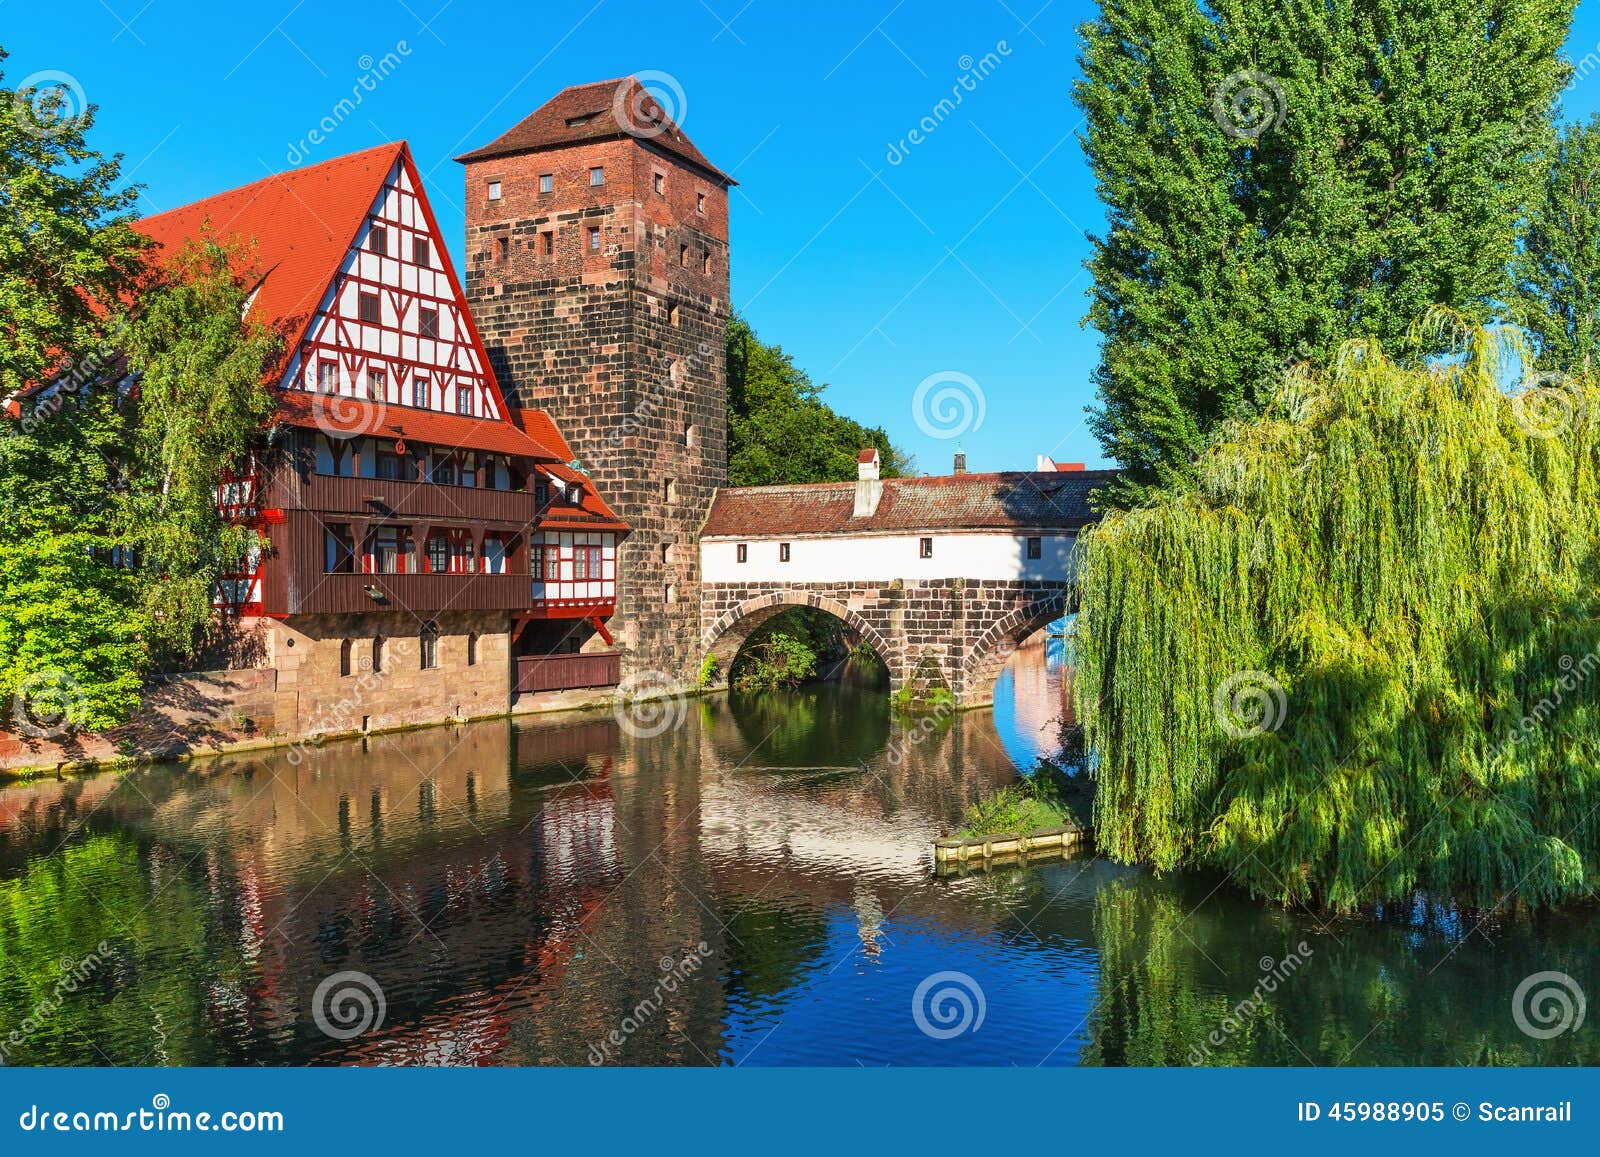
{"x": 949, "y": 502}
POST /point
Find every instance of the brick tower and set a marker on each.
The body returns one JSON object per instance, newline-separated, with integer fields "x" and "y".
{"x": 597, "y": 270}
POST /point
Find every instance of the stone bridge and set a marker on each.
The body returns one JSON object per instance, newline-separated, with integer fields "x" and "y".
{"x": 949, "y": 632}
{"x": 943, "y": 577}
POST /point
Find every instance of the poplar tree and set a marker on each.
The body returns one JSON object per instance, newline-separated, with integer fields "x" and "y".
{"x": 1558, "y": 266}
{"x": 1281, "y": 178}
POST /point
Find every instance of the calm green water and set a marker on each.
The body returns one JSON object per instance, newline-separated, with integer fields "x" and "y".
{"x": 740, "y": 881}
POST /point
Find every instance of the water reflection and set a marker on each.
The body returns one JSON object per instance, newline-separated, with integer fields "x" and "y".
{"x": 526, "y": 894}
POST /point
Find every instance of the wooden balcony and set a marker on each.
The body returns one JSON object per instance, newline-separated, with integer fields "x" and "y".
{"x": 324, "y": 594}
{"x": 568, "y": 672}
{"x": 381, "y": 499}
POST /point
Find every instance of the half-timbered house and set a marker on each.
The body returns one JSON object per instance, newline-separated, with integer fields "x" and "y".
{"x": 426, "y": 545}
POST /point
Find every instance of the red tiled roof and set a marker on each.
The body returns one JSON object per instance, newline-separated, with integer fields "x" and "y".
{"x": 541, "y": 427}
{"x": 867, "y": 455}
{"x": 301, "y": 224}
{"x": 594, "y": 513}
{"x": 348, "y": 416}
{"x": 948, "y": 502}
{"x": 602, "y": 110}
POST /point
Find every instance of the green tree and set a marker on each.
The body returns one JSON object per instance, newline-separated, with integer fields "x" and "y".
{"x": 201, "y": 404}
{"x": 1281, "y": 178}
{"x": 1558, "y": 265}
{"x": 1362, "y": 656}
{"x": 67, "y": 245}
{"x": 780, "y": 429}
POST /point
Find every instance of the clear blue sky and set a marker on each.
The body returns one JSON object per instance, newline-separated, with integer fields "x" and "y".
{"x": 965, "y": 257}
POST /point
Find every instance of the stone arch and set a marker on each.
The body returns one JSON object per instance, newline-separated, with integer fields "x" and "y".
{"x": 984, "y": 659}
{"x": 727, "y": 635}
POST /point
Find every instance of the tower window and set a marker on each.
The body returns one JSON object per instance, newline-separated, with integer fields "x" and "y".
{"x": 741, "y": 553}
{"x": 597, "y": 176}
{"x": 428, "y": 322}
{"x": 705, "y": 262}
{"x": 670, "y": 594}
{"x": 420, "y": 253}
{"x": 547, "y": 182}
{"x": 494, "y": 190}
{"x": 502, "y": 248}
{"x": 367, "y": 308}
{"x": 683, "y": 256}
{"x": 925, "y": 548}
{"x": 378, "y": 240}
{"x": 783, "y": 552}
{"x": 700, "y": 203}
{"x": 547, "y": 242}
{"x": 660, "y": 183}
{"x": 672, "y": 314}
{"x": 1035, "y": 547}
{"x": 691, "y": 437}
{"x": 594, "y": 239}
{"x": 670, "y": 490}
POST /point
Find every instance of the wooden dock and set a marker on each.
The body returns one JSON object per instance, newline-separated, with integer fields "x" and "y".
{"x": 953, "y": 856}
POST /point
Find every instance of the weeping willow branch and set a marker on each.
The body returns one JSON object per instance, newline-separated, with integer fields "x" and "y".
{"x": 1397, "y": 565}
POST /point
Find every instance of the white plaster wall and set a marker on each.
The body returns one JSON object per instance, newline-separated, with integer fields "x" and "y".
{"x": 879, "y": 557}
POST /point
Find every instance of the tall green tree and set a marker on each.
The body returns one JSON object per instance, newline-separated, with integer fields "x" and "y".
{"x": 1362, "y": 656}
{"x": 1280, "y": 178}
{"x": 67, "y": 244}
{"x": 780, "y": 429}
{"x": 1558, "y": 265}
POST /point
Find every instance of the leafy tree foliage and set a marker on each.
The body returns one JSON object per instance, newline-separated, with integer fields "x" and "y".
{"x": 1558, "y": 266}
{"x": 1280, "y": 178}
{"x": 780, "y": 429}
{"x": 1362, "y": 656}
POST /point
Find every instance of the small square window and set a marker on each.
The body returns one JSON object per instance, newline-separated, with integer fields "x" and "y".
{"x": 428, "y": 322}
{"x": 597, "y": 176}
{"x": 742, "y": 552}
{"x": 926, "y": 548}
{"x": 783, "y": 552}
{"x": 547, "y": 182}
{"x": 367, "y": 308}
{"x": 494, "y": 190}
{"x": 419, "y": 393}
{"x": 594, "y": 239}
{"x": 660, "y": 183}
{"x": 378, "y": 240}
{"x": 1035, "y": 548}
{"x": 700, "y": 203}
{"x": 420, "y": 253}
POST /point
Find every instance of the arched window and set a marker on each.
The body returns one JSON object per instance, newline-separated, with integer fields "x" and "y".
{"x": 344, "y": 657}
{"x": 377, "y": 655}
{"x": 430, "y": 645}
{"x": 472, "y": 650}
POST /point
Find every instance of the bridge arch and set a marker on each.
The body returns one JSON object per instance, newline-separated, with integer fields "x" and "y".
{"x": 728, "y": 633}
{"x": 984, "y": 660}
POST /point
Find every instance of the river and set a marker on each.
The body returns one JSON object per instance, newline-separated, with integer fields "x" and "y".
{"x": 739, "y": 880}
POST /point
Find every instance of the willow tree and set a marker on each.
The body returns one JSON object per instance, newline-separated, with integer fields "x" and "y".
{"x": 1360, "y": 656}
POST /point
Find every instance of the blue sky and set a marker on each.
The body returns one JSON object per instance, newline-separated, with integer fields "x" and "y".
{"x": 879, "y": 266}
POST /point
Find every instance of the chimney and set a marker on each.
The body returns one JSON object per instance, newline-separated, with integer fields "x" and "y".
{"x": 1044, "y": 464}
{"x": 868, "y": 487}
{"x": 961, "y": 462}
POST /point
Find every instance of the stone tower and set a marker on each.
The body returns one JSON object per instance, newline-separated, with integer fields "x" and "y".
{"x": 597, "y": 270}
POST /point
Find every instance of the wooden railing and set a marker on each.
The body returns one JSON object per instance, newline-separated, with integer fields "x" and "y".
{"x": 568, "y": 672}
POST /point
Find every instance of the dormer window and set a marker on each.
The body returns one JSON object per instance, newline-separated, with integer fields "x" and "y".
{"x": 597, "y": 176}
{"x": 581, "y": 119}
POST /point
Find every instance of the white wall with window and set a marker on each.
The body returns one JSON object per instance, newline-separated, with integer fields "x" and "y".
{"x": 1004, "y": 556}
{"x": 574, "y": 568}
